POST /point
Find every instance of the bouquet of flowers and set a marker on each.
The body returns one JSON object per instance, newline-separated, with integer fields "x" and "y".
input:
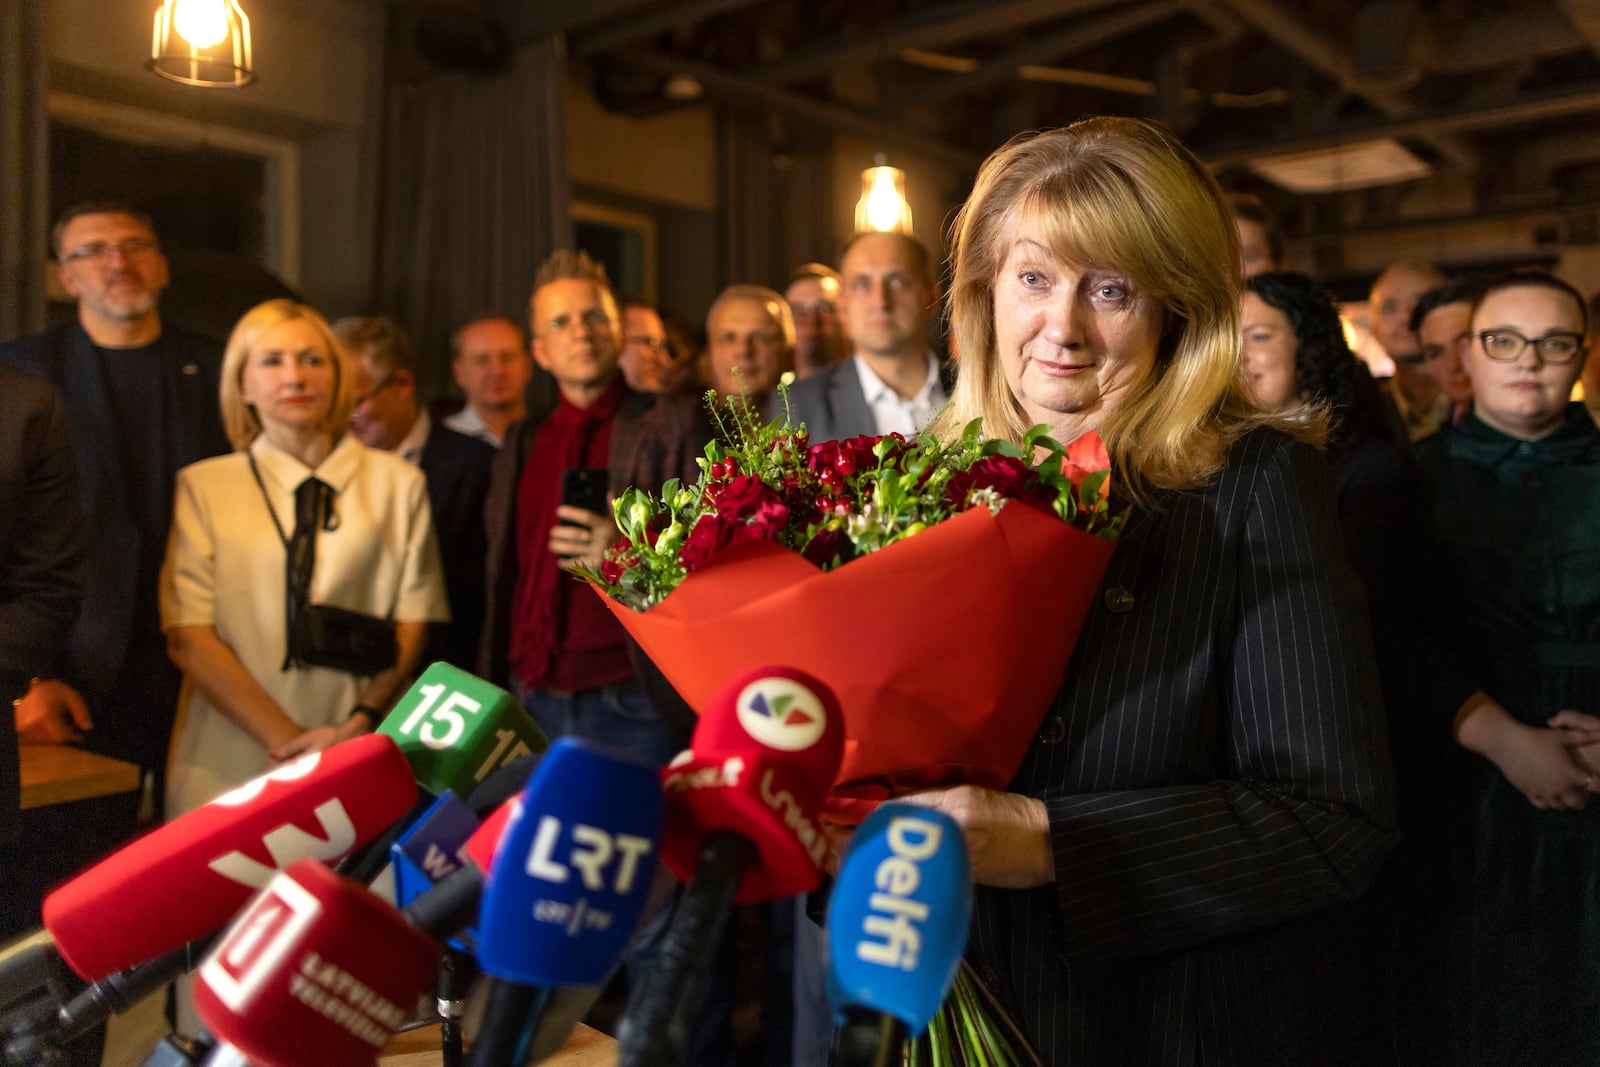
{"x": 938, "y": 588}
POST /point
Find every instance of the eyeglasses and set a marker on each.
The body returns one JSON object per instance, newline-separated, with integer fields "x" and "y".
{"x": 819, "y": 309}
{"x": 97, "y": 251}
{"x": 654, "y": 344}
{"x": 595, "y": 318}
{"x": 1506, "y": 346}
{"x": 376, "y": 389}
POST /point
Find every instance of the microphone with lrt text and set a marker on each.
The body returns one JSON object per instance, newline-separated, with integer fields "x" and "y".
{"x": 566, "y": 887}
{"x": 318, "y": 971}
{"x": 897, "y": 928}
{"x": 455, "y": 730}
{"x": 741, "y": 827}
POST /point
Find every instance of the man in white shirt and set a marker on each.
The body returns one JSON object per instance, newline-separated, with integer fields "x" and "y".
{"x": 490, "y": 361}
{"x": 891, "y": 384}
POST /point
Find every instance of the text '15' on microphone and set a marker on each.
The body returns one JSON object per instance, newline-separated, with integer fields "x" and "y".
{"x": 742, "y": 826}
{"x": 566, "y": 888}
{"x": 897, "y": 927}
{"x": 455, "y": 730}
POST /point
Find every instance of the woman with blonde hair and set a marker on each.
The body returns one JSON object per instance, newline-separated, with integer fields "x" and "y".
{"x": 298, "y": 522}
{"x": 1212, "y": 777}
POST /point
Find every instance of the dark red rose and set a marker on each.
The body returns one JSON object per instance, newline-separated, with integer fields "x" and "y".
{"x": 1006, "y": 475}
{"x": 741, "y": 496}
{"x": 617, "y": 560}
{"x": 823, "y": 546}
{"x": 709, "y": 534}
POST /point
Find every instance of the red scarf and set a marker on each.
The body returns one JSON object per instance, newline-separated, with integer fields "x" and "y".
{"x": 562, "y": 636}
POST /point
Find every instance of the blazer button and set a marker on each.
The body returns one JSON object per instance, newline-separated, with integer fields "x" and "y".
{"x": 990, "y": 978}
{"x": 1053, "y": 730}
{"x": 1119, "y": 600}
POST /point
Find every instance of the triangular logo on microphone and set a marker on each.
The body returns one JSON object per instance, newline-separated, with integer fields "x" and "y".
{"x": 781, "y": 713}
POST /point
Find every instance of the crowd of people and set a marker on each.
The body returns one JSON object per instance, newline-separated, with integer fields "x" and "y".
{"x": 1316, "y": 785}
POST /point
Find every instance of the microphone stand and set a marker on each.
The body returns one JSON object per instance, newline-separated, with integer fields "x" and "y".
{"x": 668, "y": 993}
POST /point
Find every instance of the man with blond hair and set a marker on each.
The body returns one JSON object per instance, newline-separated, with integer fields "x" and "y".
{"x": 565, "y": 656}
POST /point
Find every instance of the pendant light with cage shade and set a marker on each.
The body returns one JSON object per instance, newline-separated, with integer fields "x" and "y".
{"x": 204, "y": 43}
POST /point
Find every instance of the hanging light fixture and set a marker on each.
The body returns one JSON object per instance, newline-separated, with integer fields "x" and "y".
{"x": 202, "y": 42}
{"x": 883, "y": 204}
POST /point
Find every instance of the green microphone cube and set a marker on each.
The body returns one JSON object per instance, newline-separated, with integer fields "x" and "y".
{"x": 455, "y": 729}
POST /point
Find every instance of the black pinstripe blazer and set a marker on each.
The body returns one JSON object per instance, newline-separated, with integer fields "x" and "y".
{"x": 1215, "y": 772}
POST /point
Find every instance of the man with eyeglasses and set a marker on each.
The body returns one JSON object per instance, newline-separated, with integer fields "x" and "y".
{"x": 1394, "y": 296}
{"x": 813, "y": 297}
{"x": 649, "y": 363}
{"x": 563, "y": 653}
{"x": 551, "y": 640}
{"x": 382, "y": 367}
{"x": 892, "y": 384}
{"x": 141, "y": 396}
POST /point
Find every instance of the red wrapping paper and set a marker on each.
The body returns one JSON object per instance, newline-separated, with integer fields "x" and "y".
{"x": 944, "y": 649}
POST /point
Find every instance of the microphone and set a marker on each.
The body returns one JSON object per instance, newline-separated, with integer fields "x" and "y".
{"x": 897, "y": 927}
{"x": 566, "y": 887}
{"x": 316, "y": 970}
{"x": 187, "y": 878}
{"x": 455, "y": 731}
{"x": 764, "y": 754}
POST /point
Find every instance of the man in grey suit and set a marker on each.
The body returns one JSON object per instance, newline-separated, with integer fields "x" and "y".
{"x": 891, "y": 383}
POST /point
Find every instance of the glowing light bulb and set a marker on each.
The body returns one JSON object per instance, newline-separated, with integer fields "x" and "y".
{"x": 883, "y": 205}
{"x": 203, "y": 23}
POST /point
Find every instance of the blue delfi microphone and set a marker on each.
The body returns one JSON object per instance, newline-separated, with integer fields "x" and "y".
{"x": 897, "y": 927}
{"x": 567, "y": 886}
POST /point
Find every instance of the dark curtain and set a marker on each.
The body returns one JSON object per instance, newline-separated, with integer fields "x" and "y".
{"x": 24, "y": 168}
{"x": 474, "y": 196}
{"x": 775, "y": 189}
{"x": 749, "y": 221}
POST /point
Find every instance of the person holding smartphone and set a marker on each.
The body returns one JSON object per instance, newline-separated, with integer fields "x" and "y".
{"x": 548, "y": 512}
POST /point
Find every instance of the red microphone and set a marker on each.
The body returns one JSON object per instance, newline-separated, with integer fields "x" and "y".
{"x": 742, "y": 826}
{"x": 764, "y": 755}
{"x": 317, "y": 970}
{"x": 189, "y": 877}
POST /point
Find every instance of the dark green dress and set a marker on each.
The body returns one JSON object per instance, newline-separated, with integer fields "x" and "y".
{"x": 1516, "y": 525}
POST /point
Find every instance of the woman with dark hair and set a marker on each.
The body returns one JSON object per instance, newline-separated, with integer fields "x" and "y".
{"x": 1515, "y": 497}
{"x": 1296, "y": 358}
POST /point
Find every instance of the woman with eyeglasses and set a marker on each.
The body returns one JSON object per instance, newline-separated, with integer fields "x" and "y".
{"x": 1515, "y": 498}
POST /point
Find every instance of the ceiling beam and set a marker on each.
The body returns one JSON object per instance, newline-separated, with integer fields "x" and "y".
{"x": 928, "y": 29}
{"x": 1078, "y": 38}
{"x": 620, "y": 32}
{"x": 1289, "y": 30}
{"x": 739, "y": 90}
{"x": 1582, "y": 101}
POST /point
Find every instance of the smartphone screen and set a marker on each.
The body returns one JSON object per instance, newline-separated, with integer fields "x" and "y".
{"x": 585, "y": 487}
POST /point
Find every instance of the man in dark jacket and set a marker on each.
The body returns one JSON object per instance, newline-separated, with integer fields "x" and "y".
{"x": 141, "y": 400}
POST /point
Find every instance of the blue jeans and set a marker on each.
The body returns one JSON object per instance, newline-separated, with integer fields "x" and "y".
{"x": 619, "y": 715}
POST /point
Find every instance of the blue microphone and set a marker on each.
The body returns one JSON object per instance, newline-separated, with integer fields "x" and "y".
{"x": 566, "y": 888}
{"x": 897, "y": 927}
